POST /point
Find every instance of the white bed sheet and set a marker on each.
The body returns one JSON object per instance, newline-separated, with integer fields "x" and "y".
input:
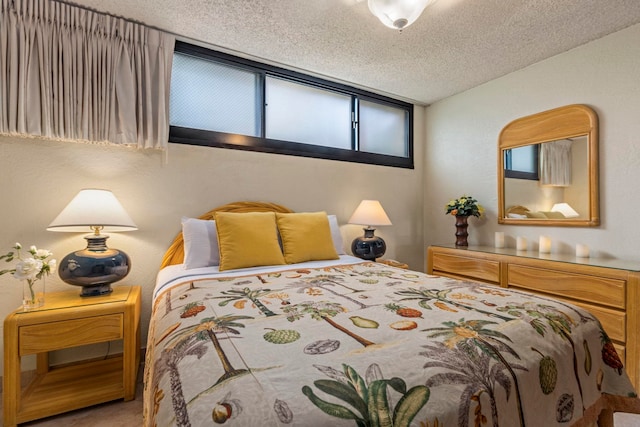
{"x": 175, "y": 273}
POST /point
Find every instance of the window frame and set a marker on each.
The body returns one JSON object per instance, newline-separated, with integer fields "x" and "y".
{"x": 208, "y": 138}
{"x": 518, "y": 174}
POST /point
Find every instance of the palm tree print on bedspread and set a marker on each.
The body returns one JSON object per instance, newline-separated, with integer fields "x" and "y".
{"x": 327, "y": 283}
{"x": 322, "y": 310}
{"x": 252, "y": 295}
{"x": 559, "y": 322}
{"x": 208, "y": 328}
{"x": 439, "y": 298}
{"x": 168, "y": 363}
{"x": 462, "y": 337}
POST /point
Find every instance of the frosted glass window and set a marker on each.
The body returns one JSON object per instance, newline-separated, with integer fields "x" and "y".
{"x": 221, "y": 100}
{"x": 383, "y": 129}
{"x": 522, "y": 159}
{"x": 522, "y": 162}
{"x": 213, "y": 96}
{"x": 300, "y": 113}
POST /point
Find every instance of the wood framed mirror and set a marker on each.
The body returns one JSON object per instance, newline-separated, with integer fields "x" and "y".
{"x": 548, "y": 169}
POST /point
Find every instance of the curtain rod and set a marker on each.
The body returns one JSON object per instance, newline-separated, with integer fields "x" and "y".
{"x": 133, "y": 21}
{"x": 223, "y": 49}
{"x": 180, "y": 37}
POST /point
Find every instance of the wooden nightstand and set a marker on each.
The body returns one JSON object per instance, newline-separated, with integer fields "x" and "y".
{"x": 68, "y": 320}
{"x": 393, "y": 263}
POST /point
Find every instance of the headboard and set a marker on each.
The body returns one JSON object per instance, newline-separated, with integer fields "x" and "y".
{"x": 517, "y": 209}
{"x": 175, "y": 253}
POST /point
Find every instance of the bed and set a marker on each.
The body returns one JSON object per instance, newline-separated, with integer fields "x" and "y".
{"x": 522, "y": 212}
{"x": 332, "y": 340}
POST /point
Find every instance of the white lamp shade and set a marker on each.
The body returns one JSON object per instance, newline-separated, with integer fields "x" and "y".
{"x": 565, "y": 209}
{"x": 369, "y": 212}
{"x": 93, "y": 208}
{"x": 398, "y": 14}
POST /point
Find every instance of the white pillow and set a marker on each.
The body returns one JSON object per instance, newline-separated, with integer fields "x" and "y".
{"x": 200, "y": 243}
{"x": 336, "y": 236}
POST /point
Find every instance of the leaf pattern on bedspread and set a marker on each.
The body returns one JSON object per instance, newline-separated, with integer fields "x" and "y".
{"x": 370, "y": 399}
{"x": 309, "y": 346}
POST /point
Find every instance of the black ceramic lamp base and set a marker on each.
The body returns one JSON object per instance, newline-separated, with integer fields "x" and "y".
{"x": 368, "y": 247}
{"x": 94, "y": 268}
{"x": 92, "y": 291}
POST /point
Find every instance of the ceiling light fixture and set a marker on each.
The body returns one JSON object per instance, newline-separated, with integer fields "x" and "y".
{"x": 398, "y": 14}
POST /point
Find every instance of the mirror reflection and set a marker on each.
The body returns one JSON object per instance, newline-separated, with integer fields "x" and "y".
{"x": 548, "y": 169}
{"x": 547, "y": 180}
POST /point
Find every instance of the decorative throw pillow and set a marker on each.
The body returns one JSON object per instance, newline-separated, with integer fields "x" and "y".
{"x": 305, "y": 236}
{"x": 247, "y": 240}
{"x": 200, "y": 243}
{"x": 336, "y": 236}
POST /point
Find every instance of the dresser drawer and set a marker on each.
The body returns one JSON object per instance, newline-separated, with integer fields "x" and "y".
{"x": 69, "y": 333}
{"x": 473, "y": 268}
{"x": 599, "y": 290}
{"x": 613, "y": 321}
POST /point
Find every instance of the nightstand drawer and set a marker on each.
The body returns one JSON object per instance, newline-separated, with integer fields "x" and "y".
{"x": 70, "y": 333}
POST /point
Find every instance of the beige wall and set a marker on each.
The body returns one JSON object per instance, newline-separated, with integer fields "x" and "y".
{"x": 462, "y": 133}
{"x": 38, "y": 178}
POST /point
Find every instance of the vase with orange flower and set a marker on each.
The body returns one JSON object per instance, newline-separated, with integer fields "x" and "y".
{"x": 462, "y": 208}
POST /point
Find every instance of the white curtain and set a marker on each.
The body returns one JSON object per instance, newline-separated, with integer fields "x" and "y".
{"x": 555, "y": 163}
{"x": 74, "y": 74}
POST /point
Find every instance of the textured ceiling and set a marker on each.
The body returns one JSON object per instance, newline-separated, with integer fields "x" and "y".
{"x": 455, "y": 45}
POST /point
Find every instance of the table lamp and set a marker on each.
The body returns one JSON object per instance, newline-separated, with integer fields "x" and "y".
{"x": 369, "y": 247}
{"x": 97, "y": 266}
{"x": 565, "y": 209}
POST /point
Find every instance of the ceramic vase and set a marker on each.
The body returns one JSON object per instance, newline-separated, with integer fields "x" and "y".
{"x": 461, "y": 230}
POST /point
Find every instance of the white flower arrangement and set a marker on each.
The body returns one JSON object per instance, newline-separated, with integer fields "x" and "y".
{"x": 31, "y": 268}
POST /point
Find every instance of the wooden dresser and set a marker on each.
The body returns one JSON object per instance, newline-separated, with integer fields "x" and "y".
{"x": 608, "y": 288}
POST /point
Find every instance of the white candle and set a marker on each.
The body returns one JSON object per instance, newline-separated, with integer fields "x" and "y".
{"x": 545, "y": 245}
{"x": 582, "y": 251}
{"x": 499, "y": 237}
{"x": 521, "y": 243}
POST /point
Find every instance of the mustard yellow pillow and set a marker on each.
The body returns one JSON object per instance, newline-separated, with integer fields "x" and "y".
{"x": 305, "y": 236}
{"x": 247, "y": 240}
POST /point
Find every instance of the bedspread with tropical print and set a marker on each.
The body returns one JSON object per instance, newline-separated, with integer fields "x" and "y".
{"x": 371, "y": 345}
